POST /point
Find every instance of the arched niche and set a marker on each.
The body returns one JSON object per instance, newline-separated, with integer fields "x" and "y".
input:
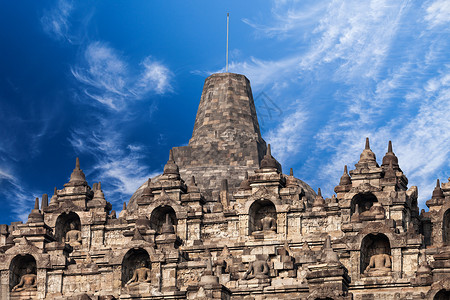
{"x": 63, "y": 225}
{"x": 20, "y": 266}
{"x": 446, "y": 228}
{"x": 262, "y": 216}
{"x": 371, "y": 245}
{"x": 159, "y": 217}
{"x": 442, "y": 295}
{"x": 362, "y": 201}
{"x": 134, "y": 259}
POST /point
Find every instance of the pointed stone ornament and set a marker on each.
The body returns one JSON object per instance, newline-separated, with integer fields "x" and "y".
{"x": 328, "y": 254}
{"x": 269, "y": 162}
{"x": 367, "y": 155}
{"x": 54, "y": 196}
{"x": 437, "y": 192}
{"x": 98, "y": 193}
{"x": 390, "y": 157}
{"x": 137, "y": 236}
{"x": 305, "y": 247}
{"x": 245, "y": 184}
{"x": 171, "y": 168}
{"x": 424, "y": 267}
{"x": 167, "y": 227}
{"x": 319, "y": 202}
{"x": 124, "y": 207}
{"x": 291, "y": 181}
{"x": 192, "y": 186}
{"x": 345, "y": 178}
{"x": 25, "y": 242}
{"x": 44, "y": 201}
{"x": 148, "y": 190}
{"x": 225, "y": 251}
{"x": 10, "y": 240}
{"x": 163, "y": 194}
{"x": 35, "y": 216}
{"x": 77, "y": 177}
{"x": 208, "y": 277}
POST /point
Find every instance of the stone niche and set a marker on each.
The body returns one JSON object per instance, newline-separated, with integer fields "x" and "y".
{"x": 20, "y": 266}
{"x": 134, "y": 259}
{"x": 442, "y": 295}
{"x": 446, "y": 228}
{"x": 362, "y": 202}
{"x": 262, "y": 216}
{"x": 63, "y": 225}
{"x": 159, "y": 216}
{"x": 374, "y": 245}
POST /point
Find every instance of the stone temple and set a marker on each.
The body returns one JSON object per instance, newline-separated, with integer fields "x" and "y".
{"x": 224, "y": 222}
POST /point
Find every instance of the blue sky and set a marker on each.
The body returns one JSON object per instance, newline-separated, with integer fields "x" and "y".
{"x": 117, "y": 83}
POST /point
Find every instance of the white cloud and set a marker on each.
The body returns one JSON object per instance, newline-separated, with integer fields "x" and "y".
{"x": 55, "y": 21}
{"x": 438, "y": 13}
{"x": 108, "y": 79}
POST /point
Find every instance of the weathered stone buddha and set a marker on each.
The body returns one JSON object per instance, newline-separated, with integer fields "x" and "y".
{"x": 268, "y": 224}
{"x": 140, "y": 275}
{"x": 379, "y": 263}
{"x": 73, "y": 236}
{"x": 27, "y": 282}
{"x": 258, "y": 269}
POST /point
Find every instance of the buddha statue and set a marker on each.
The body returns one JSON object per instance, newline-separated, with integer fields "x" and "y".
{"x": 379, "y": 262}
{"x": 140, "y": 275}
{"x": 268, "y": 224}
{"x": 27, "y": 282}
{"x": 257, "y": 269}
{"x": 73, "y": 236}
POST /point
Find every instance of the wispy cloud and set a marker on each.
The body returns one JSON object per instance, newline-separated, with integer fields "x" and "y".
{"x": 287, "y": 138}
{"x": 438, "y": 13}
{"x": 121, "y": 167}
{"x": 19, "y": 197}
{"x": 108, "y": 79}
{"x": 104, "y": 75}
{"x": 56, "y": 21}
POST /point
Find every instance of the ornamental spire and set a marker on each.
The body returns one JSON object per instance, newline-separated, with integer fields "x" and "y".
{"x": 77, "y": 177}
{"x": 367, "y": 156}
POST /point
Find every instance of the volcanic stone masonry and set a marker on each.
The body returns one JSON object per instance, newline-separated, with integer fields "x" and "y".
{"x": 224, "y": 222}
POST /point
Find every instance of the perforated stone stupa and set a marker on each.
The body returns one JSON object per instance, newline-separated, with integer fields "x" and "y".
{"x": 224, "y": 222}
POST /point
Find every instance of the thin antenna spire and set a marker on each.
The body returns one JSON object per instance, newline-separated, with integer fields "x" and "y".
{"x": 228, "y": 23}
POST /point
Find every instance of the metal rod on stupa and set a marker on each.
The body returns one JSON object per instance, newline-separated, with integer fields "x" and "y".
{"x": 228, "y": 23}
